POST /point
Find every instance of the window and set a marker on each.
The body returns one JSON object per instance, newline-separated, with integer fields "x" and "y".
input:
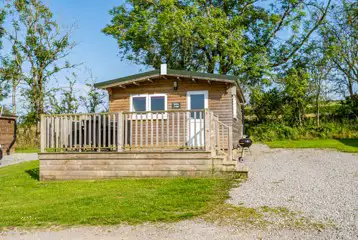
{"x": 148, "y": 102}
{"x": 157, "y": 103}
{"x": 139, "y": 104}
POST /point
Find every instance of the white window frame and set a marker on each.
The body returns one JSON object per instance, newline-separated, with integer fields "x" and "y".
{"x": 148, "y": 105}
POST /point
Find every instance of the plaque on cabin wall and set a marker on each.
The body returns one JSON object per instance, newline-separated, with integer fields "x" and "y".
{"x": 176, "y": 105}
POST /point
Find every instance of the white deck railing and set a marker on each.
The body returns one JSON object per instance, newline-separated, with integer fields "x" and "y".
{"x": 123, "y": 131}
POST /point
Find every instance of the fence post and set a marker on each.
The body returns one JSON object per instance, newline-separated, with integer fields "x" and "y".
{"x": 230, "y": 144}
{"x": 120, "y": 132}
{"x": 207, "y": 135}
{"x": 43, "y": 133}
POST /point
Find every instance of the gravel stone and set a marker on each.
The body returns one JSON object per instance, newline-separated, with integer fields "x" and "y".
{"x": 322, "y": 184}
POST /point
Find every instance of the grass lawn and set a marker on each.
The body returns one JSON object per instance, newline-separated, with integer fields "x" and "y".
{"x": 26, "y": 202}
{"x": 344, "y": 145}
{"x": 27, "y": 150}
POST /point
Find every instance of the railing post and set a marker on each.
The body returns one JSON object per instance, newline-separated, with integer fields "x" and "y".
{"x": 230, "y": 144}
{"x": 207, "y": 135}
{"x": 119, "y": 132}
{"x": 43, "y": 133}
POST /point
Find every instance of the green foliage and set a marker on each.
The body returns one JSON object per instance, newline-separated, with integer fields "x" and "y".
{"x": 280, "y": 131}
{"x": 233, "y": 36}
{"x": 43, "y": 49}
{"x": 26, "y": 202}
{"x": 68, "y": 102}
{"x": 94, "y": 98}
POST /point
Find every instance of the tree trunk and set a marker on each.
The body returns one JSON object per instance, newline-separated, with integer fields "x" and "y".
{"x": 13, "y": 97}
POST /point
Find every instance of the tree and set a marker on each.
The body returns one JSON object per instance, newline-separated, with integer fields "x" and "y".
{"x": 94, "y": 98}
{"x": 67, "y": 103}
{"x": 43, "y": 47}
{"x": 237, "y": 36}
{"x": 340, "y": 36}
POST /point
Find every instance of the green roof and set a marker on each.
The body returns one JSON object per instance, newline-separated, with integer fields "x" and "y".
{"x": 170, "y": 72}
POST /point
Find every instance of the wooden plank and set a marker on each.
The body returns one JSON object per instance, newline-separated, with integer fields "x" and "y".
{"x": 178, "y": 119}
{"x": 207, "y": 130}
{"x": 120, "y": 133}
{"x": 99, "y": 133}
{"x": 230, "y": 144}
{"x": 43, "y": 133}
{"x": 80, "y": 133}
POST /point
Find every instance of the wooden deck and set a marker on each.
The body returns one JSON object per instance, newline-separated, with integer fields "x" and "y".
{"x": 122, "y": 144}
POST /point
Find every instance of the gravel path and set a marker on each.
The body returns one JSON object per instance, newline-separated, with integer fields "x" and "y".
{"x": 17, "y": 158}
{"x": 320, "y": 184}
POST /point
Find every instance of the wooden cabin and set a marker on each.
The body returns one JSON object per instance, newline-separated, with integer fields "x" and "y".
{"x": 163, "y": 122}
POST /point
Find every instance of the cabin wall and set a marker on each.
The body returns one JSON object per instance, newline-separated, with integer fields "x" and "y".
{"x": 220, "y": 100}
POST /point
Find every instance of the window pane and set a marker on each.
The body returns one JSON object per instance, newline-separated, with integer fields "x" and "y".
{"x": 157, "y": 103}
{"x": 196, "y": 102}
{"x": 139, "y": 104}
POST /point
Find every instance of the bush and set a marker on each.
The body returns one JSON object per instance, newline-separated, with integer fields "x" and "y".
{"x": 281, "y": 131}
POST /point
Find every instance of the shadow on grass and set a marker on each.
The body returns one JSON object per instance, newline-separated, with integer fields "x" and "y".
{"x": 349, "y": 142}
{"x": 34, "y": 173}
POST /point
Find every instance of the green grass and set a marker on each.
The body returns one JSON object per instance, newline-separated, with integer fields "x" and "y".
{"x": 344, "y": 145}
{"x": 27, "y": 150}
{"x": 26, "y": 202}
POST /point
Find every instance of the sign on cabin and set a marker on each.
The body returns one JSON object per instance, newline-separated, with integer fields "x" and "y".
{"x": 176, "y": 105}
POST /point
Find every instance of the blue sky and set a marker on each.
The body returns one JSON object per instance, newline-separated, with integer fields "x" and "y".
{"x": 97, "y": 51}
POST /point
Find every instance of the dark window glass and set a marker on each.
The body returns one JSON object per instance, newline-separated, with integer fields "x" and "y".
{"x": 197, "y": 101}
{"x": 139, "y": 104}
{"x": 157, "y": 103}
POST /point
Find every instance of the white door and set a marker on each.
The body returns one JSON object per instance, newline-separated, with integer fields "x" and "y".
{"x": 196, "y": 100}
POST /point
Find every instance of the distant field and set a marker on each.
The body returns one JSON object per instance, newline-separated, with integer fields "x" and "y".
{"x": 344, "y": 145}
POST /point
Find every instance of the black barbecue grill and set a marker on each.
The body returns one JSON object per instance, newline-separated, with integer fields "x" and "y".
{"x": 244, "y": 144}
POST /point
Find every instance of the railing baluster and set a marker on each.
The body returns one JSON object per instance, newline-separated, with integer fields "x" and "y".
{"x": 157, "y": 128}
{"x": 85, "y": 132}
{"x": 113, "y": 133}
{"x": 173, "y": 128}
{"x": 178, "y": 129}
{"x": 99, "y": 132}
{"x": 190, "y": 141}
{"x": 80, "y": 133}
{"x": 195, "y": 132}
{"x": 94, "y": 131}
{"x": 146, "y": 129}
{"x": 109, "y": 131}
{"x": 184, "y": 128}
{"x": 162, "y": 138}
{"x": 141, "y": 129}
{"x": 125, "y": 130}
{"x": 90, "y": 137}
{"x": 167, "y": 136}
{"x": 151, "y": 129}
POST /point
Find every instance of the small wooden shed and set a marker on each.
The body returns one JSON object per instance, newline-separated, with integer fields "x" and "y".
{"x": 7, "y": 133}
{"x": 163, "y": 122}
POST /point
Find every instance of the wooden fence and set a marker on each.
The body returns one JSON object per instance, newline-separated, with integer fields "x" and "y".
{"x": 123, "y": 131}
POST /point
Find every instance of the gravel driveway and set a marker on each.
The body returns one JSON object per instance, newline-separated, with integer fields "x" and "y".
{"x": 322, "y": 185}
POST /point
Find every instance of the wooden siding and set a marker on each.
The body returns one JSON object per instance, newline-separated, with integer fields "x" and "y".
{"x": 219, "y": 94}
{"x": 67, "y": 166}
{"x": 219, "y": 97}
